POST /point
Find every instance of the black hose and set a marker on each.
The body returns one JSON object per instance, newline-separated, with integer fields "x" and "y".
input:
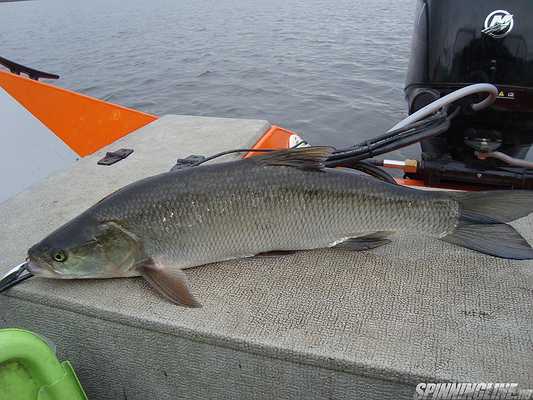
{"x": 370, "y": 169}
{"x": 370, "y": 147}
{"x": 392, "y": 135}
{"x": 402, "y": 140}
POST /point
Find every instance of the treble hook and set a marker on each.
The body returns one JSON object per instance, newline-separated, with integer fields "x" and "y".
{"x": 15, "y": 275}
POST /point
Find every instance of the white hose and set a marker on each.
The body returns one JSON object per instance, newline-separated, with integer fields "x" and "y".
{"x": 449, "y": 99}
{"x": 515, "y": 162}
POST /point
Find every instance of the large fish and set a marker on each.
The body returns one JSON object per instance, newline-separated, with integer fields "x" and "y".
{"x": 281, "y": 201}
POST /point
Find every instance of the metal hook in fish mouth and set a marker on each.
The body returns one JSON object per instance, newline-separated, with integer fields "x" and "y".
{"x": 15, "y": 275}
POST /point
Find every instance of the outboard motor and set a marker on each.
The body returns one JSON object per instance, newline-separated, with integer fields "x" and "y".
{"x": 457, "y": 43}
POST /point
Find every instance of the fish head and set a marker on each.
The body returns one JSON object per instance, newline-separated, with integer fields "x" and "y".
{"x": 86, "y": 248}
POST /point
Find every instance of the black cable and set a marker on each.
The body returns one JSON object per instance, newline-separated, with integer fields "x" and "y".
{"x": 357, "y": 156}
{"x": 366, "y": 149}
{"x": 204, "y": 160}
{"x": 373, "y": 170}
{"x": 393, "y": 135}
{"x": 370, "y": 149}
{"x": 359, "y": 161}
{"x": 402, "y": 140}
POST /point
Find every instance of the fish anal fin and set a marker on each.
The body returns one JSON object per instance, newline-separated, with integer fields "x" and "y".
{"x": 366, "y": 242}
{"x": 170, "y": 282}
{"x": 311, "y": 158}
{"x": 276, "y": 253}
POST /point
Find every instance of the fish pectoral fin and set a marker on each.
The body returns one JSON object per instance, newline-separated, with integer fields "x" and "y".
{"x": 310, "y": 158}
{"x": 170, "y": 282}
{"x": 365, "y": 242}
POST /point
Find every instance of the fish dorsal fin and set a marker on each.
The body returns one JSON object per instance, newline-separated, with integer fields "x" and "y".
{"x": 305, "y": 158}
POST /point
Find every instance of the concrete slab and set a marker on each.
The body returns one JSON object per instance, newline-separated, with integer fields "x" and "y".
{"x": 320, "y": 324}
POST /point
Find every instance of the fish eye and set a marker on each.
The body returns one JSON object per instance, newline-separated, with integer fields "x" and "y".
{"x": 59, "y": 255}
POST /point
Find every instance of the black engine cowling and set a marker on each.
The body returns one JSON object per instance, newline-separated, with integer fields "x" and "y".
{"x": 457, "y": 43}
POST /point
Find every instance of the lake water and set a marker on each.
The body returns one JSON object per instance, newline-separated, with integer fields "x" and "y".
{"x": 331, "y": 70}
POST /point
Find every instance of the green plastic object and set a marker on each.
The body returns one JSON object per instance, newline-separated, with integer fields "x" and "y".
{"x": 30, "y": 370}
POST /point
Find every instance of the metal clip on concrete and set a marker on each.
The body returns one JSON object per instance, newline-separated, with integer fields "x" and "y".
{"x": 15, "y": 275}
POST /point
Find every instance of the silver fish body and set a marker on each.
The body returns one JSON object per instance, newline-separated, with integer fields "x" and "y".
{"x": 280, "y": 201}
{"x": 236, "y": 210}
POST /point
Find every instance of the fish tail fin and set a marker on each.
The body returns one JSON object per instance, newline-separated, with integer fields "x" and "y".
{"x": 482, "y": 223}
{"x": 496, "y": 205}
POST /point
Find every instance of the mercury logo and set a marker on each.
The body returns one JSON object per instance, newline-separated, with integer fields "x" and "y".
{"x": 498, "y": 24}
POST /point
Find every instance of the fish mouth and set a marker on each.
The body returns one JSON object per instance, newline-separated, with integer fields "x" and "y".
{"x": 37, "y": 269}
{"x": 33, "y": 267}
